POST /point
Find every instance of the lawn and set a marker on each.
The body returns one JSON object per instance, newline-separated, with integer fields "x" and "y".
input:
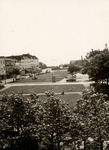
{"x": 43, "y": 88}
{"x": 47, "y": 77}
{"x": 69, "y": 98}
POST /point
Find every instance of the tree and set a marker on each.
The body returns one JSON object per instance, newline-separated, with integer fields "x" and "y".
{"x": 43, "y": 121}
{"x": 81, "y": 124}
{"x": 42, "y": 65}
{"x": 49, "y": 123}
{"x": 13, "y": 73}
{"x": 97, "y": 65}
{"x": 75, "y": 130}
{"x": 17, "y": 121}
{"x": 79, "y": 63}
{"x": 65, "y": 65}
{"x": 56, "y": 120}
{"x": 73, "y": 68}
{"x": 92, "y": 53}
{"x": 92, "y": 113}
{"x": 16, "y": 71}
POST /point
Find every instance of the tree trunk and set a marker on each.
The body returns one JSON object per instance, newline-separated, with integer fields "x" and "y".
{"x": 84, "y": 144}
{"x": 59, "y": 146}
{"x": 74, "y": 146}
{"x": 101, "y": 144}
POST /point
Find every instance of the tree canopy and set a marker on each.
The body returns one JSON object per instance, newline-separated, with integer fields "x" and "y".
{"x": 93, "y": 113}
{"x": 51, "y": 124}
{"x": 73, "y": 68}
{"x": 97, "y": 65}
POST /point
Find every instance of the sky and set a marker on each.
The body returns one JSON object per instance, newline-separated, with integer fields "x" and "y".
{"x": 55, "y": 31}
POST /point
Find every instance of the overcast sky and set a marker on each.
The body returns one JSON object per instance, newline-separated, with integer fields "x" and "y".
{"x": 56, "y": 31}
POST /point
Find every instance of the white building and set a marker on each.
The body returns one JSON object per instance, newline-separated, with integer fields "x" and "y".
{"x": 29, "y": 62}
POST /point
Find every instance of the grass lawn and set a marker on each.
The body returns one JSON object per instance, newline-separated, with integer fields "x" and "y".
{"x": 43, "y": 88}
{"x": 47, "y": 77}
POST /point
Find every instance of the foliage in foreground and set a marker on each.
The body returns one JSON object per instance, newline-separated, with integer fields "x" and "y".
{"x": 93, "y": 113}
{"x": 50, "y": 124}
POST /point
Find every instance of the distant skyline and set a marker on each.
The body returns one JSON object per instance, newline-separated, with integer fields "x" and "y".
{"x": 55, "y": 31}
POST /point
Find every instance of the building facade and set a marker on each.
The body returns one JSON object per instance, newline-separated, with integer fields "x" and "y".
{"x": 2, "y": 67}
{"x": 26, "y": 63}
{"x": 8, "y": 65}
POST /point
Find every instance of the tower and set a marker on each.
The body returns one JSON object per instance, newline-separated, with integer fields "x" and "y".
{"x": 81, "y": 57}
{"x": 106, "y": 46}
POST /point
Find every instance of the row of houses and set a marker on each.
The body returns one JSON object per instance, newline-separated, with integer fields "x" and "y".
{"x": 25, "y": 61}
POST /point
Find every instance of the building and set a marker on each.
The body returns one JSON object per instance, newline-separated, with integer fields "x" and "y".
{"x": 28, "y": 61}
{"x": 2, "y": 67}
{"x": 17, "y": 65}
{"x": 8, "y": 65}
{"x": 25, "y": 61}
{"x": 13, "y": 63}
